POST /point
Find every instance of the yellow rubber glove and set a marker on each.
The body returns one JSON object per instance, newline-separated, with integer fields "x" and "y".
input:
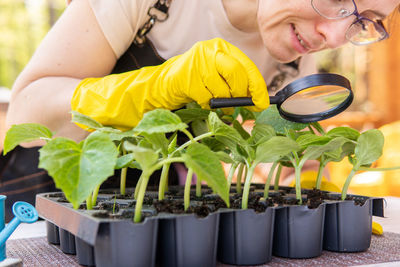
{"x": 210, "y": 69}
{"x": 377, "y": 228}
{"x": 308, "y": 181}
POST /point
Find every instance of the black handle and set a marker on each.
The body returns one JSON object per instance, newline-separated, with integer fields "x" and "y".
{"x": 240, "y": 101}
{"x": 230, "y": 102}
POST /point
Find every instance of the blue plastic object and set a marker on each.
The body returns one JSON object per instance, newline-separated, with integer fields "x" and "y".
{"x": 23, "y": 211}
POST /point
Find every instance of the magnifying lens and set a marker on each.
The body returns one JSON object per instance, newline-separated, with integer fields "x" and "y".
{"x": 312, "y": 98}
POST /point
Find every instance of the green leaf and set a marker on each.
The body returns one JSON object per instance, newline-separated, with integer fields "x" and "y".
{"x": 307, "y": 140}
{"x": 160, "y": 121}
{"x": 85, "y": 120}
{"x": 318, "y": 127}
{"x": 224, "y": 157}
{"x": 192, "y": 114}
{"x": 275, "y": 148}
{"x": 207, "y": 166}
{"x": 224, "y": 133}
{"x": 78, "y": 168}
{"x": 347, "y": 132}
{"x": 272, "y": 117}
{"x": 158, "y": 141}
{"x": 338, "y": 154}
{"x": 246, "y": 114}
{"x": 261, "y": 133}
{"x": 23, "y": 133}
{"x": 369, "y": 147}
{"x": 315, "y": 151}
{"x": 124, "y": 161}
{"x": 172, "y": 143}
{"x": 240, "y": 129}
{"x": 146, "y": 157}
{"x": 199, "y": 127}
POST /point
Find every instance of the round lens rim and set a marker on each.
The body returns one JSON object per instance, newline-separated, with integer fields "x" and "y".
{"x": 314, "y": 80}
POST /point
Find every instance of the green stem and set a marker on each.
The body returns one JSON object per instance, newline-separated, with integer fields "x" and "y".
{"x": 246, "y": 189}
{"x": 197, "y": 138}
{"x": 139, "y": 201}
{"x": 89, "y": 202}
{"x": 268, "y": 182}
{"x": 95, "y": 194}
{"x": 378, "y": 169}
{"x": 231, "y": 173}
{"x": 239, "y": 179}
{"x": 319, "y": 176}
{"x": 163, "y": 181}
{"x": 122, "y": 185}
{"x": 297, "y": 171}
{"x": 277, "y": 177}
{"x": 188, "y": 183}
{"x": 198, "y": 187}
{"x": 311, "y": 129}
{"x": 347, "y": 183}
{"x": 188, "y": 134}
{"x": 137, "y": 188}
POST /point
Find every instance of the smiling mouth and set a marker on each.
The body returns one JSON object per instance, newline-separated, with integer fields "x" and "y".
{"x": 301, "y": 41}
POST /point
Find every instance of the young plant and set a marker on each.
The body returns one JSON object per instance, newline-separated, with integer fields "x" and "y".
{"x": 367, "y": 150}
{"x": 153, "y": 153}
{"x": 77, "y": 169}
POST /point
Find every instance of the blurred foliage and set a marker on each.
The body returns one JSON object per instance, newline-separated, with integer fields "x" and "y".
{"x": 23, "y": 24}
{"x": 351, "y": 62}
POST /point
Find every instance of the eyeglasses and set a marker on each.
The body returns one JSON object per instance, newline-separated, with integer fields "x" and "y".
{"x": 365, "y": 29}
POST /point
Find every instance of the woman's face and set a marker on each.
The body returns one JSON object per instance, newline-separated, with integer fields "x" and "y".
{"x": 292, "y": 28}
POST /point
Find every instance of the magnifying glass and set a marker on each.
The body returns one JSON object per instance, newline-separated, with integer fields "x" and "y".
{"x": 312, "y": 98}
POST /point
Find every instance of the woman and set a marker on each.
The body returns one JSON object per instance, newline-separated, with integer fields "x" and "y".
{"x": 257, "y": 37}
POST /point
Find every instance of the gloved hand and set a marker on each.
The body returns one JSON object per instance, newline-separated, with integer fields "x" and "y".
{"x": 210, "y": 69}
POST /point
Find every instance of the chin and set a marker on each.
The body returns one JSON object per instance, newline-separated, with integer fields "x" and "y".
{"x": 282, "y": 55}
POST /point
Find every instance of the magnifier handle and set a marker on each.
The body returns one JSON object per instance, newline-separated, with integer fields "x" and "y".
{"x": 230, "y": 102}
{"x": 238, "y": 102}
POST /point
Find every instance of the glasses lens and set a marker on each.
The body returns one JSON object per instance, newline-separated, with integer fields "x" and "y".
{"x": 333, "y": 9}
{"x": 365, "y": 32}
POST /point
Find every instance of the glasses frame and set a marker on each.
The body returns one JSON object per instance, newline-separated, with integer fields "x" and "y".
{"x": 378, "y": 24}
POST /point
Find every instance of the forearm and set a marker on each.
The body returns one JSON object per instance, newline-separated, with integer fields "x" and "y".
{"x": 46, "y": 101}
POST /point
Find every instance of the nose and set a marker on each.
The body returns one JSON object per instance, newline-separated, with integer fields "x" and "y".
{"x": 334, "y": 31}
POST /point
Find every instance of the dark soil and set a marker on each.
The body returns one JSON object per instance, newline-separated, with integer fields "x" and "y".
{"x": 357, "y": 200}
{"x": 201, "y": 209}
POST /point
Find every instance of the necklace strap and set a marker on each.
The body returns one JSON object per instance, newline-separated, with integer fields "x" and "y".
{"x": 157, "y": 12}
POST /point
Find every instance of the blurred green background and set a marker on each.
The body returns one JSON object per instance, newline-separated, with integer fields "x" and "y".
{"x": 23, "y": 24}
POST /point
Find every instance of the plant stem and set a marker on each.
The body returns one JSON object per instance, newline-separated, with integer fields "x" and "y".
{"x": 139, "y": 201}
{"x": 297, "y": 171}
{"x": 246, "y": 189}
{"x": 198, "y": 187}
{"x": 197, "y": 138}
{"x": 268, "y": 182}
{"x": 231, "y": 173}
{"x": 137, "y": 188}
{"x": 311, "y": 129}
{"x": 94, "y": 195}
{"x": 347, "y": 183}
{"x": 277, "y": 177}
{"x": 89, "y": 202}
{"x": 123, "y": 180}
{"x": 188, "y": 134}
{"x": 188, "y": 183}
{"x": 319, "y": 176}
{"x": 239, "y": 179}
{"x": 163, "y": 181}
{"x": 378, "y": 169}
